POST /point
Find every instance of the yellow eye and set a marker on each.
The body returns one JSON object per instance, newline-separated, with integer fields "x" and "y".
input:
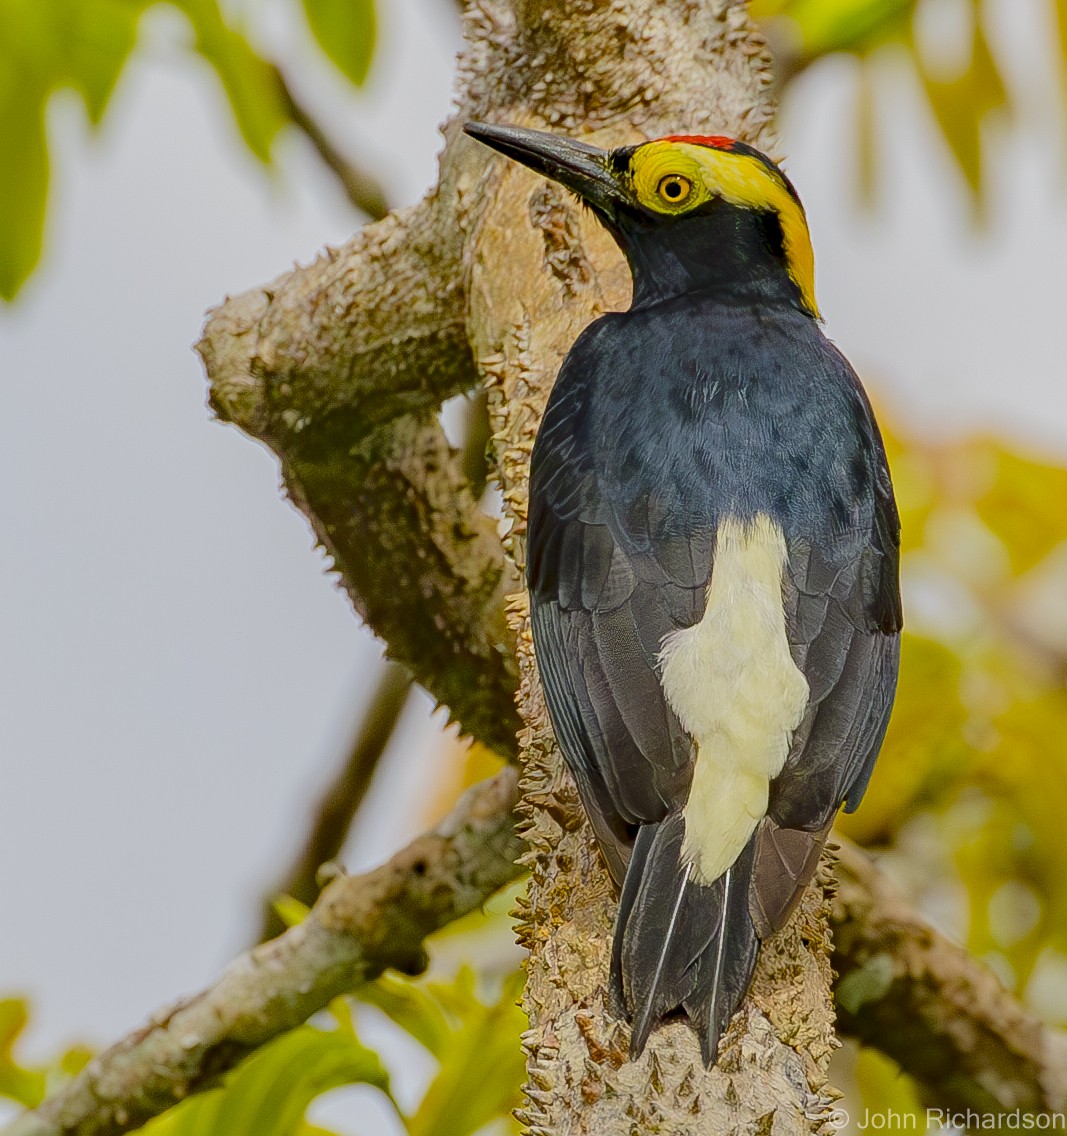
{"x": 674, "y": 188}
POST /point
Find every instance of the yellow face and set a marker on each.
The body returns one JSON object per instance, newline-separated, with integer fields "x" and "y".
{"x": 675, "y": 177}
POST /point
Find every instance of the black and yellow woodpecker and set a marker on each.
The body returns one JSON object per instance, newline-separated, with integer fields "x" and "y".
{"x": 713, "y": 566}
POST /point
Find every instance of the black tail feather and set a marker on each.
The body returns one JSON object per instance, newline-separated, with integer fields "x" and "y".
{"x": 725, "y": 969}
{"x": 679, "y": 944}
{"x": 785, "y": 859}
{"x": 635, "y": 874}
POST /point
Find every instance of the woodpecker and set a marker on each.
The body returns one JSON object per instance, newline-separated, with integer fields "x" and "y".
{"x": 712, "y": 561}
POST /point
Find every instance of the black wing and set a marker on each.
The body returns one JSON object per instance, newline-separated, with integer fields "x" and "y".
{"x": 844, "y": 618}
{"x": 605, "y": 588}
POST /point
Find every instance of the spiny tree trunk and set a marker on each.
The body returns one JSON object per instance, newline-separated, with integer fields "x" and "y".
{"x": 340, "y": 368}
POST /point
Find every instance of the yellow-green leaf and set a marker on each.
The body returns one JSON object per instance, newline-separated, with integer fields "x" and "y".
{"x": 269, "y": 1093}
{"x": 98, "y": 37}
{"x": 824, "y": 26}
{"x": 412, "y": 1007}
{"x": 23, "y": 172}
{"x": 26, "y": 1086}
{"x": 887, "y": 1091}
{"x": 866, "y": 130}
{"x": 481, "y": 1072}
{"x": 289, "y": 910}
{"x": 962, "y": 104}
{"x": 924, "y": 757}
{"x": 250, "y": 82}
{"x": 1024, "y": 504}
{"x": 346, "y": 31}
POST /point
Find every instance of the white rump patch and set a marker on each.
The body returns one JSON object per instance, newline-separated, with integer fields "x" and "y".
{"x": 737, "y": 692}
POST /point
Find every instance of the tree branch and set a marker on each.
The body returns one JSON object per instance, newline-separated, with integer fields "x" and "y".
{"x": 371, "y": 331}
{"x": 339, "y": 368}
{"x": 359, "y": 926}
{"x": 420, "y": 561}
{"x": 332, "y": 819}
{"x": 923, "y": 1000}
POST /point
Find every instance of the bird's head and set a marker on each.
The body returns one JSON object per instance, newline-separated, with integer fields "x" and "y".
{"x": 689, "y": 211}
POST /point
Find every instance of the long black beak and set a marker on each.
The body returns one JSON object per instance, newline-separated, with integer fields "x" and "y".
{"x": 580, "y": 167}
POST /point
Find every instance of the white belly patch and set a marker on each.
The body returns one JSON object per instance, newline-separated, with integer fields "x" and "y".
{"x": 737, "y": 692}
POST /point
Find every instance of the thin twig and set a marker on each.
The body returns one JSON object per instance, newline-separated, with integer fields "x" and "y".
{"x": 332, "y": 819}
{"x": 361, "y": 188}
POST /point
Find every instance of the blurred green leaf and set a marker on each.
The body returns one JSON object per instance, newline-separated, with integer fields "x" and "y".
{"x": 867, "y": 983}
{"x": 290, "y": 911}
{"x": 1024, "y": 504}
{"x": 1020, "y": 839}
{"x": 482, "y": 1070}
{"x": 887, "y": 1091}
{"x": 98, "y": 37}
{"x": 1059, "y": 9}
{"x": 26, "y": 1086}
{"x": 961, "y": 105}
{"x": 805, "y": 31}
{"x": 866, "y": 137}
{"x": 268, "y": 1094}
{"x": 345, "y": 30}
{"x": 924, "y": 756}
{"x": 412, "y": 1007}
{"x": 825, "y": 26}
{"x": 45, "y": 46}
{"x": 23, "y": 172}
{"x": 250, "y": 82}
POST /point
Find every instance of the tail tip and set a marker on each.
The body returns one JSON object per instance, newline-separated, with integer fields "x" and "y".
{"x": 640, "y": 1032}
{"x": 709, "y": 1044}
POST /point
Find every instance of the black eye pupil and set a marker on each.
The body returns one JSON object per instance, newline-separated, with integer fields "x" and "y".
{"x": 672, "y": 189}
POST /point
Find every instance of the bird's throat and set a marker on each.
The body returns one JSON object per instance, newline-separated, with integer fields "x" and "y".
{"x": 729, "y": 252}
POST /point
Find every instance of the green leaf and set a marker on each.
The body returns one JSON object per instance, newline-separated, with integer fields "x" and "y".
{"x": 24, "y": 172}
{"x": 888, "y": 1091}
{"x": 289, "y": 910}
{"x": 98, "y": 37}
{"x": 1059, "y": 9}
{"x": 250, "y": 82}
{"x": 924, "y": 758}
{"x": 1023, "y": 504}
{"x": 345, "y": 30}
{"x": 412, "y": 1007}
{"x": 961, "y": 105}
{"x": 1021, "y": 839}
{"x": 268, "y": 1094}
{"x": 27, "y": 1086}
{"x": 481, "y": 1073}
{"x": 82, "y": 44}
{"x": 868, "y": 983}
{"x": 824, "y": 26}
{"x": 866, "y": 131}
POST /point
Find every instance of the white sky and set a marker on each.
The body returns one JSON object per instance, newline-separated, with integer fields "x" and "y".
{"x": 177, "y": 675}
